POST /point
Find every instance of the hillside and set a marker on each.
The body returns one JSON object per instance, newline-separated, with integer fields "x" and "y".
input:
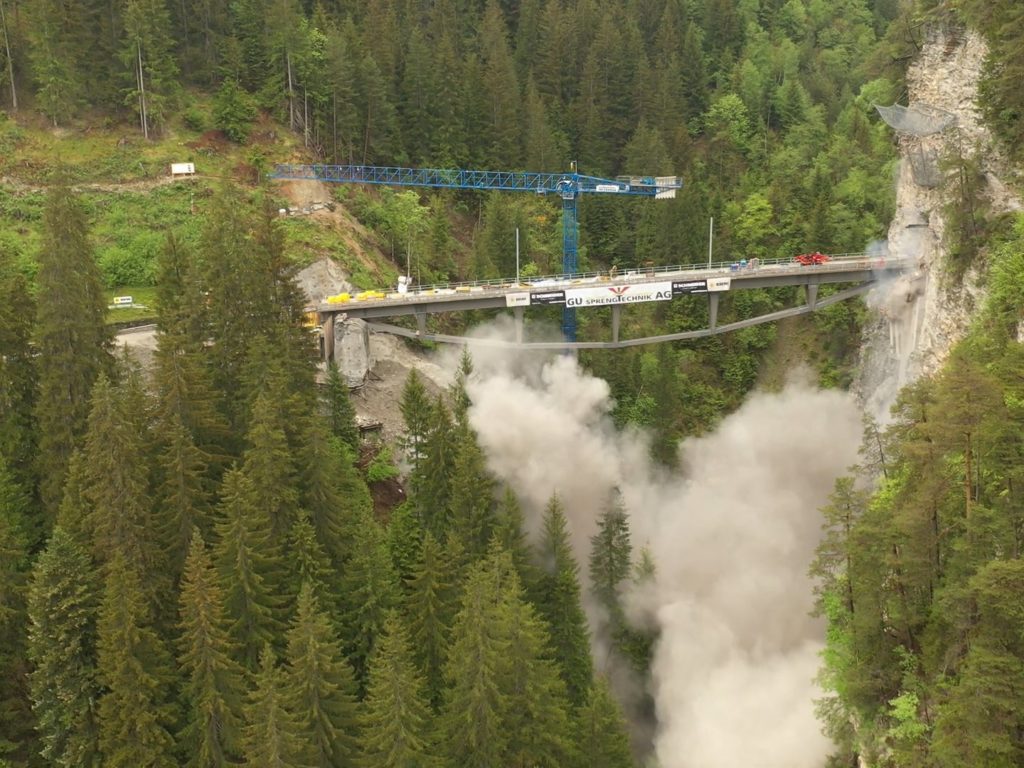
{"x": 540, "y": 560}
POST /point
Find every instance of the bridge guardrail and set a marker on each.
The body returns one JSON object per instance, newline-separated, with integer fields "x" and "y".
{"x": 432, "y": 291}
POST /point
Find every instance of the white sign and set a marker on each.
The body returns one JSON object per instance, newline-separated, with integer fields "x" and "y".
{"x": 617, "y": 294}
{"x": 719, "y": 283}
{"x": 608, "y": 188}
{"x": 517, "y": 299}
{"x": 183, "y": 169}
{"x": 123, "y": 301}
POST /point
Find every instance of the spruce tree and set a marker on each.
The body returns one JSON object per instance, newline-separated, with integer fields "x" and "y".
{"x": 331, "y": 489}
{"x": 396, "y": 718}
{"x": 430, "y": 608}
{"x": 432, "y": 489}
{"x": 320, "y": 687}
{"x": 214, "y": 683}
{"x": 16, "y": 735}
{"x": 472, "y": 495}
{"x": 558, "y": 601}
{"x": 17, "y": 371}
{"x": 509, "y": 530}
{"x": 117, "y": 480}
{"x": 369, "y": 588}
{"x": 341, "y": 416}
{"x": 416, "y": 411}
{"x": 602, "y": 738}
{"x": 183, "y": 386}
{"x": 537, "y": 719}
{"x": 248, "y": 562}
{"x": 405, "y": 538}
{"x": 611, "y": 560}
{"x": 135, "y": 716}
{"x": 72, "y": 341}
{"x": 459, "y": 395}
{"x": 272, "y": 735}
{"x": 309, "y": 564}
{"x": 268, "y": 466}
{"x": 147, "y": 53}
{"x": 182, "y": 498}
{"x": 63, "y": 603}
{"x": 474, "y": 703}
{"x": 505, "y": 704}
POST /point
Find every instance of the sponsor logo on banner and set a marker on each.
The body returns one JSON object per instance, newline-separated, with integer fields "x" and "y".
{"x": 517, "y": 299}
{"x": 682, "y": 287}
{"x": 618, "y": 294}
{"x": 719, "y": 283}
{"x": 547, "y": 297}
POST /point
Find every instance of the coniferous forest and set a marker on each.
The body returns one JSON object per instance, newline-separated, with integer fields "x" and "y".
{"x": 192, "y": 567}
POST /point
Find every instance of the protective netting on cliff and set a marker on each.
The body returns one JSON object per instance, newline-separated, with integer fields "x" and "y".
{"x": 924, "y": 166}
{"x": 918, "y": 120}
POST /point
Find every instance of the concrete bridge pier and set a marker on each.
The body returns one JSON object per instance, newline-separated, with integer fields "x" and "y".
{"x": 349, "y": 345}
{"x": 812, "y": 295}
{"x": 517, "y": 314}
{"x": 616, "y": 319}
{"x": 713, "y": 310}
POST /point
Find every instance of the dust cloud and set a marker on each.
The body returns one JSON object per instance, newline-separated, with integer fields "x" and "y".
{"x": 732, "y": 535}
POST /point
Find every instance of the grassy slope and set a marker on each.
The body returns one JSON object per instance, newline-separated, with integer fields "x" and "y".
{"x": 132, "y": 201}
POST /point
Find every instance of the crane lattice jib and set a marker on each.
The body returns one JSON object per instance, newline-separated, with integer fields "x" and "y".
{"x": 563, "y": 184}
{"x": 568, "y": 186}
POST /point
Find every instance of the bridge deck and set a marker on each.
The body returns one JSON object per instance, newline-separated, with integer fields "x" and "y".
{"x": 455, "y": 297}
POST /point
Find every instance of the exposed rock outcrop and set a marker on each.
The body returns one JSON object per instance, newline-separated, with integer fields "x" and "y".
{"x": 922, "y": 315}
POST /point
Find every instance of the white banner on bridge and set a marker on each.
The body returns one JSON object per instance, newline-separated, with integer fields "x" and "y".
{"x": 719, "y": 283}
{"x": 617, "y": 294}
{"x": 517, "y": 299}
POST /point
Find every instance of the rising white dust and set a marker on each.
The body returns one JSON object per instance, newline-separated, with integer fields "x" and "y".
{"x": 732, "y": 535}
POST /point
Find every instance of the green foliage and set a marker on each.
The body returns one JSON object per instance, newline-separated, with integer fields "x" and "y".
{"x": 249, "y": 566}
{"x": 919, "y": 578}
{"x": 272, "y": 734}
{"x": 121, "y": 266}
{"x": 341, "y": 416}
{"x": 233, "y": 111}
{"x": 135, "y": 714}
{"x": 215, "y": 682}
{"x": 382, "y": 467}
{"x": 73, "y": 306}
{"x": 63, "y": 603}
{"x": 320, "y": 688}
{"x": 558, "y": 602}
{"x": 396, "y": 720}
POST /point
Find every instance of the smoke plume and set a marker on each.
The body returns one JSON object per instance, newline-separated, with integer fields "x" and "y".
{"x": 732, "y": 535}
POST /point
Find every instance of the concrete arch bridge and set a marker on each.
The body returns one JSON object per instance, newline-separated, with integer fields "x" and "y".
{"x": 344, "y": 340}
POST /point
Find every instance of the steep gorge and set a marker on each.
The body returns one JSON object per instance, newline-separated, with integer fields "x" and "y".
{"x": 921, "y": 316}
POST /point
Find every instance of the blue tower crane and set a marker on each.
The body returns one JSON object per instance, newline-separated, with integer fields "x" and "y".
{"x": 568, "y": 186}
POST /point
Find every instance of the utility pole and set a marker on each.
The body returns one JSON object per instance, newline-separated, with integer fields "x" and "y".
{"x": 711, "y": 239}
{"x": 517, "y": 255}
{"x": 10, "y": 62}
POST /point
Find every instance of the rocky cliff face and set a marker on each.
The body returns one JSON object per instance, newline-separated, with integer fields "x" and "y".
{"x": 922, "y": 315}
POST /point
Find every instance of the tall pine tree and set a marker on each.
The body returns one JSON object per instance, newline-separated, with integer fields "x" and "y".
{"x": 135, "y": 714}
{"x": 72, "y": 341}
{"x": 321, "y": 688}
{"x": 396, "y": 720}
{"x": 63, "y": 603}
{"x": 215, "y": 682}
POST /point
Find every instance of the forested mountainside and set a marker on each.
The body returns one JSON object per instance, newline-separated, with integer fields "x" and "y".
{"x": 192, "y": 567}
{"x": 764, "y": 109}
